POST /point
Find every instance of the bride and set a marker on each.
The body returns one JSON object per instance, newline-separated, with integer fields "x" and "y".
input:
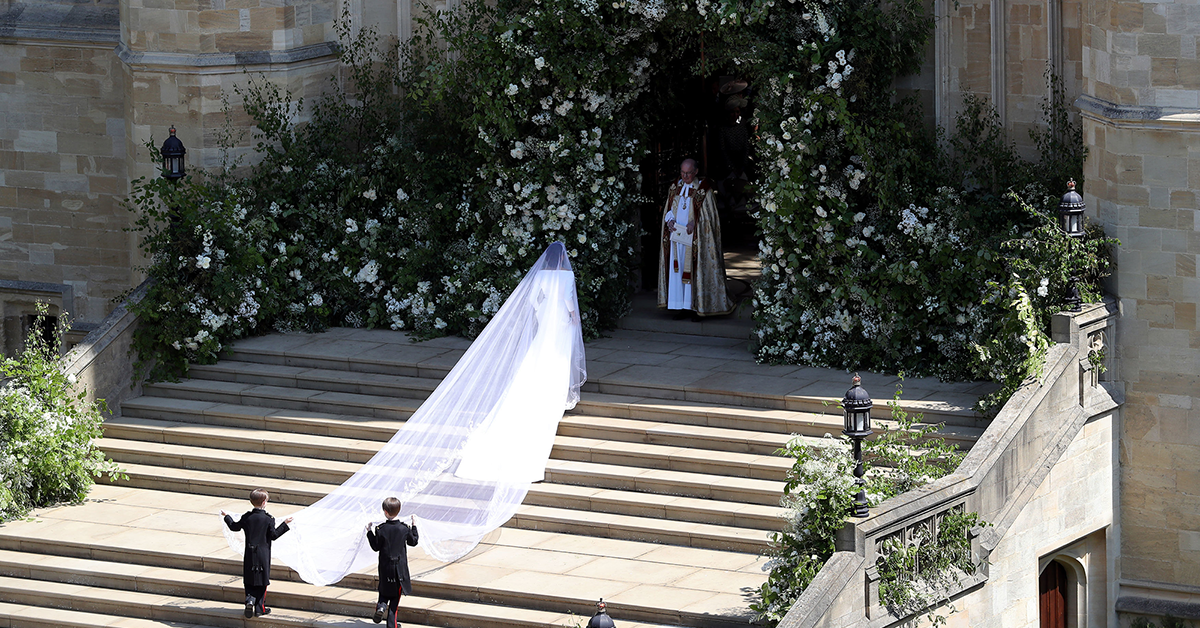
{"x": 463, "y": 462}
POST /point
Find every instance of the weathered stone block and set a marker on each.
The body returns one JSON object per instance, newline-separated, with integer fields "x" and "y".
{"x": 1163, "y": 72}
{"x": 1157, "y": 287}
{"x": 1183, "y": 199}
{"x": 1185, "y": 316}
{"x": 1174, "y": 241}
{"x": 238, "y": 42}
{"x": 219, "y": 21}
{"x": 25, "y": 179}
{"x": 1157, "y": 313}
{"x": 1185, "y": 265}
{"x": 36, "y": 141}
{"x": 1161, "y": 218}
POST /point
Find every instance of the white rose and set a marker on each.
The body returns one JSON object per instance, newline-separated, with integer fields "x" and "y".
{"x": 370, "y": 194}
{"x": 512, "y": 89}
{"x": 202, "y": 261}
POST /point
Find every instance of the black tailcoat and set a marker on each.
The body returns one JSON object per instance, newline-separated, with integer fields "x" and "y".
{"x": 391, "y": 539}
{"x": 260, "y": 530}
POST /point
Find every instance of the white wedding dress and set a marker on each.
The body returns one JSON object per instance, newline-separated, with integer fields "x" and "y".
{"x": 463, "y": 462}
{"x": 526, "y": 420}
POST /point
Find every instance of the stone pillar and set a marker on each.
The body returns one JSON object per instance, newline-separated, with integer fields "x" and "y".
{"x": 1141, "y": 107}
{"x": 181, "y": 56}
{"x": 1002, "y": 50}
{"x": 62, "y": 154}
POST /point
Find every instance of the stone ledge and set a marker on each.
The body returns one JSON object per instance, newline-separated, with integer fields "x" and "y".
{"x": 216, "y": 59}
{"x": 1137, "y": 116}
{"x": 78, "y": 23}
{"x": 1157, "y": 607}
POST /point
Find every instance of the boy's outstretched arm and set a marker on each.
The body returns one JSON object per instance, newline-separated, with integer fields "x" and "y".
{"x": 373, "y": 540}
{"x": 412, "y": 534}
{"x": 236, "y": 526}
{"x": 275, "y": 533}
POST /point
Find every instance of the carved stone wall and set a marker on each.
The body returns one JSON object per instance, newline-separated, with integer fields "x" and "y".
{"x": 1141, "y": 103}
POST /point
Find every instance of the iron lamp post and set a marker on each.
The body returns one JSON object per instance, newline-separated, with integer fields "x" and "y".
{"x": 1070, "y": 219}
{"x": 857, "y": 406}
{"x": 172, "y": 157}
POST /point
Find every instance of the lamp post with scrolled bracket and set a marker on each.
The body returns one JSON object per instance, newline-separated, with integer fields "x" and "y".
{"x": 857, "y": 406}
{"x": 1070, "y": 219}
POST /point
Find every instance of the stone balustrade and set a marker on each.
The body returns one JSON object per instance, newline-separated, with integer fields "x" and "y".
{"x": 1042, "y": 426}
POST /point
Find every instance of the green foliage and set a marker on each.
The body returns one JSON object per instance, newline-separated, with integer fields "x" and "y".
{"x": 46, "y": 430}
{"x": 413, "y": 192}
{"x": 820, "y": 492}
{"x": 919, "y": 573}
{"x": 949, "y": 266}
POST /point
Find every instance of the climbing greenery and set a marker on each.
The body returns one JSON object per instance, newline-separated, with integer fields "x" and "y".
{"x": 946, "y": 260}
{"x": 415, "y": 188}
{"x": 820, "y": 492}
{"x": 47, "y": 428}
{"x": 917, "y": 575}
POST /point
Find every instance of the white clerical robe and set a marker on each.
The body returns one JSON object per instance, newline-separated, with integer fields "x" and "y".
{"x": 679, "y": 294}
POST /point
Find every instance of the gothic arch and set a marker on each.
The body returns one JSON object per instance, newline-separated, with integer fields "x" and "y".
{"x": 1074, "y": 588}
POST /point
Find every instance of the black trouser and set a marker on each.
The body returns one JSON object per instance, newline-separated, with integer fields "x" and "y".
{"x": 260, "y": 596}
{"x": 393, "y": 602}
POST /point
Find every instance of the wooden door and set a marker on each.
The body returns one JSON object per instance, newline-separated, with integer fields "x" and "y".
{"x": 1052, "y": 598}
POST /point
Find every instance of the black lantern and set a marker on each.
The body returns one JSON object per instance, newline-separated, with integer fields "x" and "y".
{"x": 1070, "y": 218}
{"x": 857, "y": 405}
{"x": 1070, "y": 212}
{"x": 601, "y": 618}
{"x": 172, "y": 156}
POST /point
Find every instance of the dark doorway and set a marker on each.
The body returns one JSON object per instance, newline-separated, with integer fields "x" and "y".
{"x": 705, "y": 118}
{"x": 1052, "y": 596}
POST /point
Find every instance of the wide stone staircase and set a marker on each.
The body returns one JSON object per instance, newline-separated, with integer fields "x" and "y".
{"x": 661, "y": 492}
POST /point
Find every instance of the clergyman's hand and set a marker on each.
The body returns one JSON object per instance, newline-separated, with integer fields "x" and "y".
{"x": 691, "y": 228}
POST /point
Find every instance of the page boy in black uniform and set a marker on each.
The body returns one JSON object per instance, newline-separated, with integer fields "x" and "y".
{"x": 391, "y": 539}
{"x": 256, "y": 559}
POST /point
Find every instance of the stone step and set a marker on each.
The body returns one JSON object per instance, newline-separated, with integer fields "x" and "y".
{"x": 317, "y": 606}
{"x": 345, "y": 455}
{"x": 400, "y": 402}
{"x": 574, "y": 472}
{"x": 801, "y": 389}
{"x": 609, "y": 514}
{"x": 523, "y": 569}
{"x": 644, "y": 455}
{"x": 26, "y": 616}
{"x": 286, "y": 397}
{"x": 369, "y": 428}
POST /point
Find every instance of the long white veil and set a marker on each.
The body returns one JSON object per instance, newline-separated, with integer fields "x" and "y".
{"x": 463, "y": 462}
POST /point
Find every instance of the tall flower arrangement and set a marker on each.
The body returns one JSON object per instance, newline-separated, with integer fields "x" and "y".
{"x": 416, "y": 191}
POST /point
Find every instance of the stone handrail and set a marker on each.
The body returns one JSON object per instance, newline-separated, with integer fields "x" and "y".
{"x": 102, "y": 362}
{"x": 996, "y": 478}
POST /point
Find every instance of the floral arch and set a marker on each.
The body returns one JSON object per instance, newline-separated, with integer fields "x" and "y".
{"x": 417, "y": 189}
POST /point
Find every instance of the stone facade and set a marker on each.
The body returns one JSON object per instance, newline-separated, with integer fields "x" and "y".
{"x": 86, "y": 84}
{"x": 1132, "y": 68}
{"x": 1067, "y": 520}
{"x": 63, "y": 170}
{"x": 1141, "y": 105}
